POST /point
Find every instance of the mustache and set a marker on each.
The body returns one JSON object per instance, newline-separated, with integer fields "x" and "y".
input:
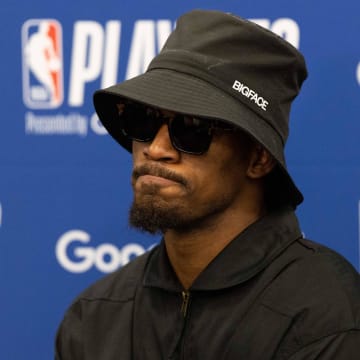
{"x": 155, "y": 170}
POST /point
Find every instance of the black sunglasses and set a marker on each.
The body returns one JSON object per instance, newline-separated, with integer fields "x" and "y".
{"x": 188, "y": 134}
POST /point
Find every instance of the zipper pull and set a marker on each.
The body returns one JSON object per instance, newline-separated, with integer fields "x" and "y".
{"x": 185, "y": 302}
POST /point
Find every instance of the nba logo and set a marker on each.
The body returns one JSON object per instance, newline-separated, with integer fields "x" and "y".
{"x": 42, "y": 64}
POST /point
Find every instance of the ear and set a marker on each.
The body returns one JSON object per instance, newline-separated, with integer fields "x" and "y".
{"x": 261, "y": 162}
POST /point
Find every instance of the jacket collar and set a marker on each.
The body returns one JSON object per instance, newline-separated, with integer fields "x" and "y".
{"x": 244, "y": 257}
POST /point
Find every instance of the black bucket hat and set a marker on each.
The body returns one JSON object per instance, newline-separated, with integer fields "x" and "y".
{"x": 219, "y": 66}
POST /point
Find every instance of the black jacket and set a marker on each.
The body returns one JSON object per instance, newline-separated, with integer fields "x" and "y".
{"x": 270, "y": 294}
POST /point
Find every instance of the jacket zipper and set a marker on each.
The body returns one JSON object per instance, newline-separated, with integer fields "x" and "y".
{"x": 185, "y": 302}
{"x": 185, "y": 313}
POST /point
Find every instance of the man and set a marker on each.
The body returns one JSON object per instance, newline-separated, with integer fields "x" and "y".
{"x": 233, "y": 278}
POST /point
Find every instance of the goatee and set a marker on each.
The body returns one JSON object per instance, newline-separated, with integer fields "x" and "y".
{"x": 147, "y": 219}
{"x": 149, "y": 211}
{"x": 155, "y": 218}
{"x": 153, "y": 213}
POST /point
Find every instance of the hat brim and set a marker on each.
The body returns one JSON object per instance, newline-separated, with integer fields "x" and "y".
{"x": 187, "y": 94}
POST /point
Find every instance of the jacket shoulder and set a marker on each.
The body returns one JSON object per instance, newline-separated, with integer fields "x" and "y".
{"x": 333, "y": 276}
{"x": 102, "y": 310}
{"x": 119, "y": 285}
{"x": 319, "y": 279}
{"x": 319, "y": 290}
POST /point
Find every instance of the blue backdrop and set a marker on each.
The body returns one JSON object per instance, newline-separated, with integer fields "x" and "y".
{"x": 64, "y": 184}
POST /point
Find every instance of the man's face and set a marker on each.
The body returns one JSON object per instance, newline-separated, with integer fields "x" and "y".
{"x": 179, "y": 191}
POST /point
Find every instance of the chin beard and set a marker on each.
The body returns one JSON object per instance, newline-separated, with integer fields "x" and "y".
{"x": 153, "y": 218}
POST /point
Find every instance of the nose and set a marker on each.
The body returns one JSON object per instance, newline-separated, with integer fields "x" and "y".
{"x": 161, "y": 148}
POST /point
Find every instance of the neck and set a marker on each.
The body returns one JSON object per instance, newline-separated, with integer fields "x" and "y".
{"x": 191, "y": 251}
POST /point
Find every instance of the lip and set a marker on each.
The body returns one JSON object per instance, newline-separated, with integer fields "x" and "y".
{"x": 156, "y": 180}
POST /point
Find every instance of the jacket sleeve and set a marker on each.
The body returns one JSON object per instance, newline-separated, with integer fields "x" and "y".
{"x": 69, "y": 342}
{"x": 342, "y": 346}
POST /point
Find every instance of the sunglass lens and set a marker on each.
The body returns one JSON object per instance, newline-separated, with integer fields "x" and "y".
{"x": 138, "y": 123}
{"x": 190, "y": 135}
